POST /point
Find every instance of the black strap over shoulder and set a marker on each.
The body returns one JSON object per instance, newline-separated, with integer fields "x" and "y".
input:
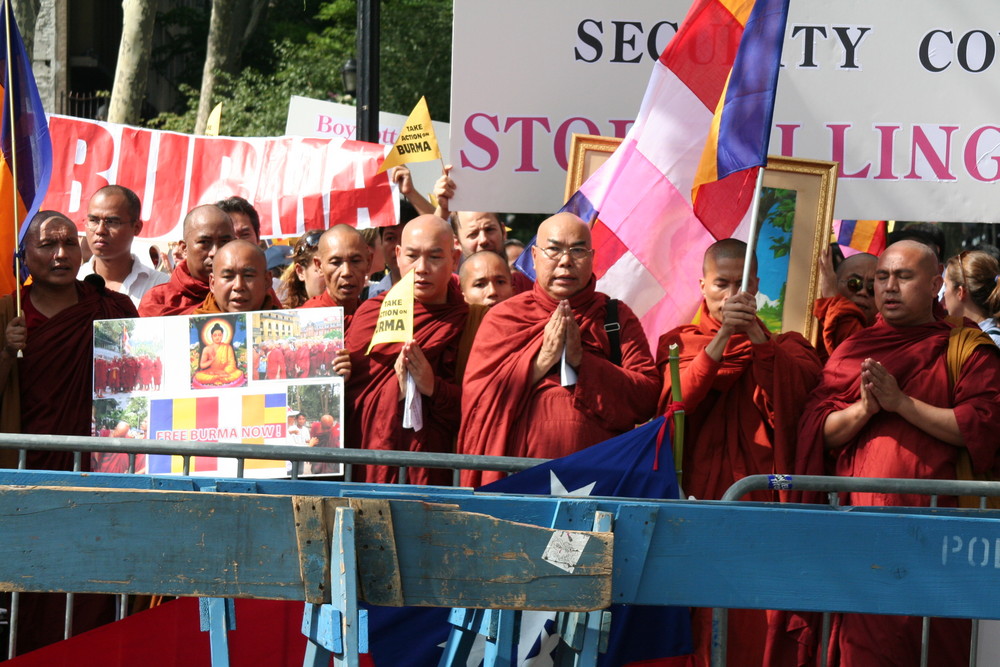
{"x": 613, "y": 328}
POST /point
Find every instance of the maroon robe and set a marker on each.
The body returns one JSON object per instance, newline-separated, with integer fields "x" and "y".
{"x": 889, "y": 446}
{"x": 56, "y": 372}
{"x": 55, "y": 379}
{"x": 374, "y": 409}
{"x": 504, "y": 415}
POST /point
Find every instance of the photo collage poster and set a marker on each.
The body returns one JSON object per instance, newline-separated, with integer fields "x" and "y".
{"x": 261, "y": 378}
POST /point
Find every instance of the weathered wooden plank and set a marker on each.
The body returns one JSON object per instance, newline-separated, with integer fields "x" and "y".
{"x": 376, "y": 546}
{"x": 313, "y": 526}
{"x": 462, "y": 559}
{"x": 148, "y": 542}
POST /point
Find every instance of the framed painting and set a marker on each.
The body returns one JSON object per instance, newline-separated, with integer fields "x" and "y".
{"x": 796, "y": 216}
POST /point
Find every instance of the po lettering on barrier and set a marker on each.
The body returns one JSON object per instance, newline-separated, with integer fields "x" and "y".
{"x": 971, "y": 551}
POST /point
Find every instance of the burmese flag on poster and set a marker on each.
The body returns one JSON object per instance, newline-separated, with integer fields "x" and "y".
{"x": 416, "y": 143}
{"x": 25, "y": 148}
{"x": 395, "y": 317}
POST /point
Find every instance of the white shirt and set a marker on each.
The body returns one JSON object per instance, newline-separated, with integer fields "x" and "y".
{"x": 141, "y": 279}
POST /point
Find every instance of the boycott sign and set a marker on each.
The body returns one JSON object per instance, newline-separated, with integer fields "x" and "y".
{"x": 901, "y": 93}
{"x": 295, "y": 183}
{"x": 258, "y": 378}
{"x": 320, "y": 118}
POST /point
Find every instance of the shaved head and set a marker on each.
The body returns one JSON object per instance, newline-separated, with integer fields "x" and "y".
{"x": 343, "y": 257}
{"x": 856, "y": 282}
{"x": 732, "y": 249}
{"x": 239, "y": 278}
{"x": 485, "y": 278}
{"x": 860, "y": 263}
{"x": 31, "y": 234}
{"x": 427, "y": 246}
{"x": 907, "y": 282}
{"x": 564, "y": 259}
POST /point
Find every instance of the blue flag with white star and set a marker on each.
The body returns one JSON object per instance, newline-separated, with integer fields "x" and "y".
{"x": 622, "y": 467}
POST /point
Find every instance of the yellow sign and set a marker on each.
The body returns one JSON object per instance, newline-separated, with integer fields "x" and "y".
{"x": 395, "y": 317}
{"x": 214, "y": 121}
{"x": 416, "y": 143}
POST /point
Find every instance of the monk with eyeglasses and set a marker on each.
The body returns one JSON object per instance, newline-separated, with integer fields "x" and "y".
{"x": 544, "y": 377}
{"x": 847, "y": 301}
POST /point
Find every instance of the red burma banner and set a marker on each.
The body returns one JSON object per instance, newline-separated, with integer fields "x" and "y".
{"x": 296, "y": 184}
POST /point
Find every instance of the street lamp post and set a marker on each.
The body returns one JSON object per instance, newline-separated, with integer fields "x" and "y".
{"x": 368, "y": 63}
{"x": 349, "y": 76}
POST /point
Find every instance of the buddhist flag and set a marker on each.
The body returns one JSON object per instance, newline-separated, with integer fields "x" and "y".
{"x": 395, "y": 317}
{"x": 674, "y": 185}
{"x": 214, "y": 121}
{"x": 25, "y": 148}
{"x": 862, "y": 235}
{"x": 416, "y": 143}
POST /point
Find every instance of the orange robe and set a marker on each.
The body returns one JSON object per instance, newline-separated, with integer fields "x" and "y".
{"x": 839, "y": 318}
{"x": 178, "y": 296}
{"x": 742, "y": 414}
{"x": 889, "y": 446}
{"x": 373, "y": 400}
{"x": 504, "y": 415}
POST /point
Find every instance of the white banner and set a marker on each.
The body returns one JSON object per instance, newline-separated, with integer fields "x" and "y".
{"x": 327, "y": 120}
{"x": 904, "y": 94}
{"x": 549, "y": 69}
{"x": 899, "y": 91}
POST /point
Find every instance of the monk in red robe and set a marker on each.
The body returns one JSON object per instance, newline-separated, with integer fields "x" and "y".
{"x": 49, "y": 389}
{"x": 206, "y": 229}
{"x": 275, "y": 362}
{"x": 743, "y": 393}
{"x": 515, "y": 399}
{"x": 847, "y": 304}
{"x": 885, "y": 407}
{"x": 376, "y": 388}
{"x": 343, "y": 257}
{"x": 239, "y": 281}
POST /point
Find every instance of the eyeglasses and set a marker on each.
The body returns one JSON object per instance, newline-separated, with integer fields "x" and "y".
{"x": 576, "y": 253}
{"x": 307, "y": 244}
{"x": 856, "y": 284}
{"x": 112, "y": 224}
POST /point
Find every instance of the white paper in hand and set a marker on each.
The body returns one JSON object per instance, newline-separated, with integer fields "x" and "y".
{"x": 567, "y": 375}
{"x": 413, "y": 415}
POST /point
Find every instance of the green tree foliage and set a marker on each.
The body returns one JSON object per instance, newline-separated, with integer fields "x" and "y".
{"x": 300, "y": 49}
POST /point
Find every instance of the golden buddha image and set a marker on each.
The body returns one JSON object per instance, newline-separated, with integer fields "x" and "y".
{"x": 217, "y": 363}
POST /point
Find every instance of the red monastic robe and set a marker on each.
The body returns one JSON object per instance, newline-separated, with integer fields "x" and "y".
{"x": 504, "y": 415}
{"x": 520, "y": 283}
{"x": 373, "y": 400}
{"x": 742, "y": 414}
{"x": 179, "y": 296}
{"x": 839, "y": 318}
{"x": 889, "y": 446}
{"x": 54, "y": 383}
{"x": 55, "y": 376}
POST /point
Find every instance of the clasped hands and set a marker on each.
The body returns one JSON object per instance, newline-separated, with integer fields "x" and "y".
{"x": 561, "y": 332}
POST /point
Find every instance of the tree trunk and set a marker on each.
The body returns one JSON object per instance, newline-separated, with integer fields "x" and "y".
{"x": 26, "y": 14}
{"x": 246, "y": 17}
{"x": 129, "y": 89}
{"x": 216, "y": 57}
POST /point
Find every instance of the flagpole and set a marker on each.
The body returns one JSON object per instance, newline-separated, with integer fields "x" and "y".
{"x": 754, "y": 223}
